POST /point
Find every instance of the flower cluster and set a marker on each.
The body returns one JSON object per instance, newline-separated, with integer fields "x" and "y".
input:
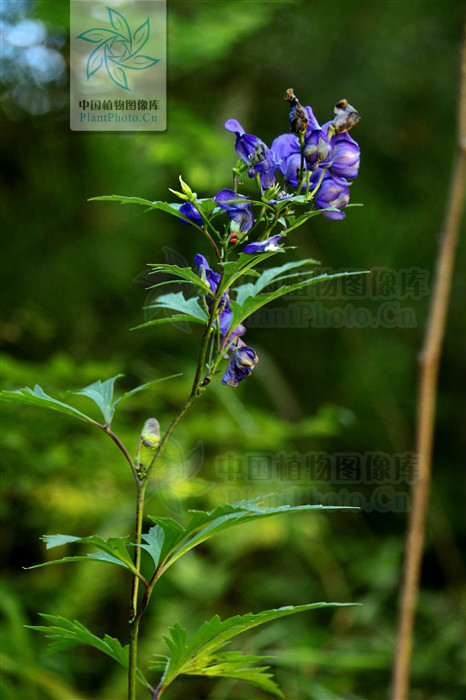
{"x": 324, "y": 158}
{"x": 312, "y": 166}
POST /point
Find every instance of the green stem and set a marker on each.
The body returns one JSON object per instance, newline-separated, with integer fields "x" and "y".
{"x": 133, "y": 618}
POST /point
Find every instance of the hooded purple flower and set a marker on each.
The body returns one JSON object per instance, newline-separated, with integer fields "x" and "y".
{"x": 242, "y": 362}
{"x": 287, "y": 157}
{"x": 332, "y": 194}
{"x": 190, "y": 211}
{"x": 212, "y": 278}
{"x": 268, "y": 246}
{"x": 240, "y": 212}
{"x": 254, "y": 152}
{"x": 316, "y": 149}
{"x": 344, "y": 155}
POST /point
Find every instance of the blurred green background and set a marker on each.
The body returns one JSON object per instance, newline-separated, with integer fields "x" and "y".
{"x": 69, "y": 277}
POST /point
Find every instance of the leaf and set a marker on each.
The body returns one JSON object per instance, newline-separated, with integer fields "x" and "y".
{"x": 120, "y": 24}
{"x": 163, "y": 206}
{"x": 251, "y": 304}
{"x": 268, "y": 277}
{"x": 38, "y": 397}
{"x": 200, "y": 655}
{"x": 141, "y": 35}
{"x": 97, "y": 35}
{"x": 139, "y": 62}
{"x": 154, "y": 543}
{"x": 203, "y": 525}
{"x": 102, "y": 394}
{"x": 176, "y": 318}
{"x": 64, "y": 634}
{"x": 143, "y": 387}
{"x": 94, "y": 62}
{"x": 184, "y": 273}
{"x": 176, "y": 301}
{"x": 113, "y": 551}
{"x": 116, "y": 74}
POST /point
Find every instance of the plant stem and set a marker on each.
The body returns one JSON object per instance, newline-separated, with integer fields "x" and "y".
{"x": 429, "y": 360}
{"x": 133, "y": 619}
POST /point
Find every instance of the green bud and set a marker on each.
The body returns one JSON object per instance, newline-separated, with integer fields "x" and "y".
{"x": 150, "y": 434}
{"x": 186, "y": 192}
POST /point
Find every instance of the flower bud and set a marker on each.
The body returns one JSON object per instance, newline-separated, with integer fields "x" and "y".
{"x": 186, "y": 192}
{"x": 150, "y": 434}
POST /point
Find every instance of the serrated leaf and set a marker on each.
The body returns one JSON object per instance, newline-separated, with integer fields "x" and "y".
{"x": 200, "y": 655}
{"x": 52, "y": 541}
{"x": 113, "y": 551}
{"x": 203, "y": 525}
{"x": 184, "y": 273}
{"x": 176, "y": 318}
{"x": 143, "y": 387}
{"x": 38, "y": 397}
{"x": 172, "y": 209}
{"x": 177, "y": 302}
{"x": 65, "y": 633}
{"x": 102, "y": 395}
{"x": 154, "y": 542}
{"x": 251, "y": 304}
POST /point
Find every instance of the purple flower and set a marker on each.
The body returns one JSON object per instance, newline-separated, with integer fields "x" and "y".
{"x": 287, "y": 157}
{"x": 190, "y": 211}
{"x": 242, "y": 362}
{"x": 212, "y": 278}
{"x": 254, "y": 152}
{"x": 268, "y": 246}
{"x": 246, "y": 144}
{"x": 206, "y": 273}
{"x": 344, "y": 156}
{"x": 332, "y": 194}
{"x": 316, "y": 149}
{"x": 240, "y": 212}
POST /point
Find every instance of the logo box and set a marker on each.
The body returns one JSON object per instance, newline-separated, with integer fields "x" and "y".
{"x": 118, "y": 65}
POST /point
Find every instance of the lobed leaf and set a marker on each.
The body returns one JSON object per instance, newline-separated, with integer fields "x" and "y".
{"x": 184, "y": 273}
{"x": 200, "y": 655}
{"x": 38, "y": 397}
{"x": 113, "y": 551}
{"x": 202, "y": 525}
{"x": 101, "y": 393}
{"x": 65, "y": 633}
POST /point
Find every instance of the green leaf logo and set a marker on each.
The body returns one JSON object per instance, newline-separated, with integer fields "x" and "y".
{"x": 118, "y": 49}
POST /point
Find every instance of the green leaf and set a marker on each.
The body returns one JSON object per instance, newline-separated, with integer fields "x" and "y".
{"x": 184, "y": 273}
{"x": 200, "y": 655}
{"x": 251, "y": 304}
{"x": 177, "y": 302}
{"x": 203, "y": 525}
{"x": 143, "y": 387}
{"x": 169, "y": 319}
{"x": 172, "y": 209}
{"x": 38, "y": 397}
{"x": 113, "y": 550}
{"x": 269, "y": 277}
{"x": 64, "y": 634}
{"x": 102, "y": 395}
{"x": 154, "y": 542}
